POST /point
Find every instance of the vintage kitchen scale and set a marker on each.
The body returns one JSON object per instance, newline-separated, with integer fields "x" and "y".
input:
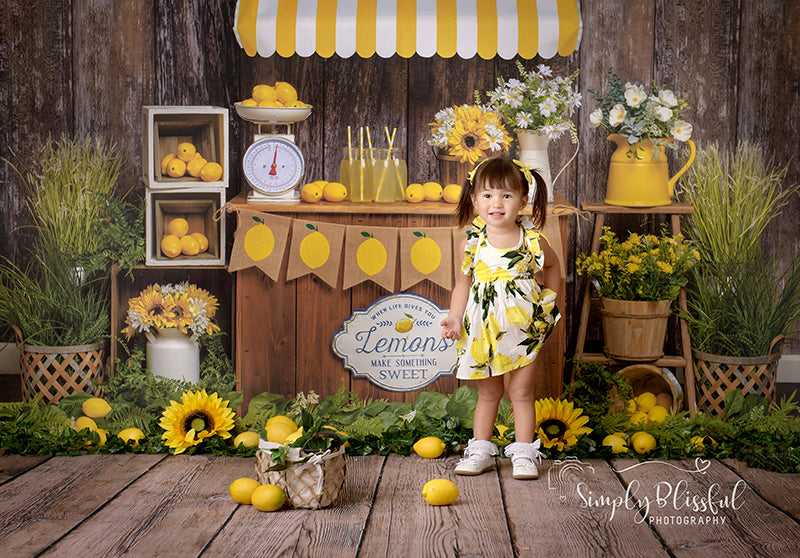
{"x": 273, "y": 165}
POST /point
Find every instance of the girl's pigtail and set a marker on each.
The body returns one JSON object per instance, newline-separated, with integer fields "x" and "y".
{"x": 539, "y": 205}
{"x": 464, "y": 208}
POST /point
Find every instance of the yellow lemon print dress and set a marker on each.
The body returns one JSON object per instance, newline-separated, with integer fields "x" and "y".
{"x": 508, "y": 315}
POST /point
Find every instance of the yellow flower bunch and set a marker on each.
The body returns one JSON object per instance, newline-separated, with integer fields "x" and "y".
{"x": 640, "y": 268}
{"x": 469, "y": 132}
{"x": 183, "y": 306}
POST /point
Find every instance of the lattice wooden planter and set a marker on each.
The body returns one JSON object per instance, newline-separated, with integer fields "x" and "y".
{"x": 56, "y": 372}
{"x": 313, "y": 484}
{"x": 718, "y": 375}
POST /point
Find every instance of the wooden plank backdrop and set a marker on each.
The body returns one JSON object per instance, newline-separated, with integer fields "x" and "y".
{"x": 87, "y": 67}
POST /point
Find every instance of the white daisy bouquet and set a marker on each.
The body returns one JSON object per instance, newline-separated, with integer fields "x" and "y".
{"x": 639, "y": 114}
{"x": 183, "y": 306}
{"x": 469, "y": 132}
{"x": 537, "y": 101}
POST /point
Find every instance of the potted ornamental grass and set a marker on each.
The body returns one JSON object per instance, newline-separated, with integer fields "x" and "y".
{"x": 742, "y": 301}
{"x": 637, "y": 280}
{"x": 58, "y": 303}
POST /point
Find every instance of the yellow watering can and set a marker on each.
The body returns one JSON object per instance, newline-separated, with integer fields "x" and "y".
{"x": 642, "y": 182}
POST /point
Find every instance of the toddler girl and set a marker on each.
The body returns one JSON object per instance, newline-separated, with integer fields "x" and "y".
{"x": 499, "y": 313}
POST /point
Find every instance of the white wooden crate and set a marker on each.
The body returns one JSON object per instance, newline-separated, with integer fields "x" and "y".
{"x": 167, "y": 126}
{"x": 201, "y": 209}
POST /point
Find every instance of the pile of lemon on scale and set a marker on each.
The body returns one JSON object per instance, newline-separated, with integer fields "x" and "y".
{"x": 273, "y": 165}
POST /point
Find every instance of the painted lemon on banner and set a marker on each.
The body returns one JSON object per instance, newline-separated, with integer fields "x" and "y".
{"x": 259, "y": 241}
{"x": 96, "y": 407}
{"x": 201, "y": 239}
{"x": 440, "y": 492}
{"x": 241, "y": 490}
{"x": 371, "y": 255}
{"x": 425, "y": 254}
{"x": 171, "y": 246}
{"x": 429, "y": 447}
{"x": 415, "y": 193}
{"x": 334, "y": 192}
{"x": 451, "y": 193}
{"x": 314, "y": 248}
{"x": 433, "y": 191}
{"x": 268, "y": 497}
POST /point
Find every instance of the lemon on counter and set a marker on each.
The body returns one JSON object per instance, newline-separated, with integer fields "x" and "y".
{"x": 451, "y": 193}
{"x": 334, "y": 192}
{"x": 415, "y": 193}
{"x": 311, "y": 192}
{"x": 433, "y": 191}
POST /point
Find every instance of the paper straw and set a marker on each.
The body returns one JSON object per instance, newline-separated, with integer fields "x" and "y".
{"x": 349, "y": 145}
{"x": 369, "y": 143}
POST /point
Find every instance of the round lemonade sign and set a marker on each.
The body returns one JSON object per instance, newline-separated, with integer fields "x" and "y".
{"x": 397, "y": 343}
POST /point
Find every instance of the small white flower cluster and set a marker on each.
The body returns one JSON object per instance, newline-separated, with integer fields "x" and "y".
{"x": 537, "y": 102}
{"x": 637, "y": 115}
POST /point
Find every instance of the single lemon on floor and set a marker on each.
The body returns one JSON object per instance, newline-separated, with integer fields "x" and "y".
{"x": 96, "y": 407}
{"x": 267, "y": 497}
{"x": 286, "y": 92}
{"x": 311, "y": 192}
{"x": 334, "y": 192}
{"x": 451, "y": 193}
{"x": 194, "y": 166}
{"x": 248, "y": 439}
{"x": 278, "y": 431}
{"x": 281, "y": 418}
{"x": 165, "y": 162}
{"x": 186, "y": 151}
{"x": 263, "y": 92}
{"x": 176, "y": 168}
{"x": 178, "y": 227}
{"x": 646, "y": 401}
{"x": 440, "y": 492}
{"x": 433, "y": 191}
{"x": 415, "y": 193}
{"x": 429, "y": 447}
{"x": 241, "y": 490}
{"x": 171, "y": 246}
{"x": 84, "y": 422}
{"x": 131, "y": 436}
{"x": 189, "y": 245}
{"x": 211, "y": 172}
{"x": 644, "y": 443}
{"x": 201, "y": 239}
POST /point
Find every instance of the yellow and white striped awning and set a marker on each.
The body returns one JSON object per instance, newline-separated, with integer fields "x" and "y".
{"x": 488, "y": 28}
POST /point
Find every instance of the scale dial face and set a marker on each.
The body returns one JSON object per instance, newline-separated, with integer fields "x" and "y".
{"x": 273, "y": 165}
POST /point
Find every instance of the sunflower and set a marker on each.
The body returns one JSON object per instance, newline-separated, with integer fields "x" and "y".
{"x": 558, "y": 424}
{"x": 197, "y": 417}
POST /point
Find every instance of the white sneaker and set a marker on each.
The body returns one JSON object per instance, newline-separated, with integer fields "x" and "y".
{"x": 478, "y": 457}
{"x": 523, "y": 457}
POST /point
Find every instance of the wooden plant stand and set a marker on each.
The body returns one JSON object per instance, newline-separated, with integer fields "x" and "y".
{"x": 599, "y": 211}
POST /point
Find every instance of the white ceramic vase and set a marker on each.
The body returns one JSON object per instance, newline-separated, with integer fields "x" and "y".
{"x": 173, "y": 354}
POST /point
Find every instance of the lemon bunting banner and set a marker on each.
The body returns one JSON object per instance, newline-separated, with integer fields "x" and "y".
{"x": 260, "y": 241}
{"x": 370, "y": 253}
{"x": 316, "y": 248}
{"x": 426, "y": 254}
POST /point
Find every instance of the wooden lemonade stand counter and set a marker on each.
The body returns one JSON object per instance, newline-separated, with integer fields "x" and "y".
{"x": 283, "y": 329}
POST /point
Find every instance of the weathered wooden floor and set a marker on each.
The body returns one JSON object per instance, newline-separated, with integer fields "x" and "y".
{"x": 157, "y": 505}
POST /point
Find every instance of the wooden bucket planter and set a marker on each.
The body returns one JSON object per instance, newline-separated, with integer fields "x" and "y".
{"x": 718, "y": 375}
{"x": 56, "y": 372}
{"x": 635, "y": 329}
{"x": 451, "y": 170}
